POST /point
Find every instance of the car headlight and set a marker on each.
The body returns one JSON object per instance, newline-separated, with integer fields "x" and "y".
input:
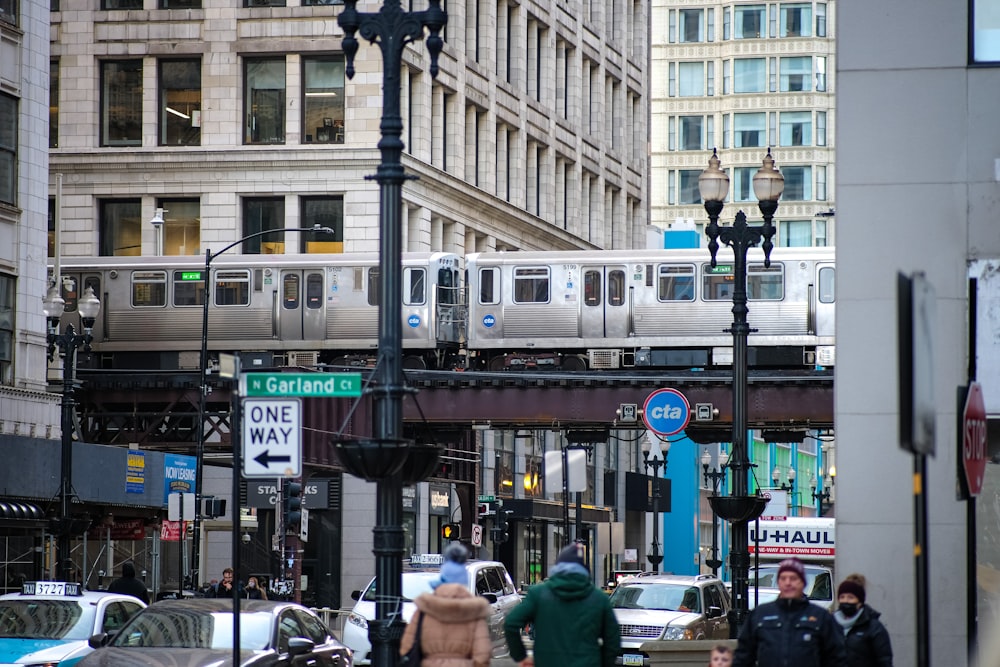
{"x": 677, "y": 634}
{"x": 358, "y": 620}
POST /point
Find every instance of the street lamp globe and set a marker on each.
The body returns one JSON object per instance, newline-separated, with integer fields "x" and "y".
{"x": 89, "y": 306}
{"x": 776, "y": 475}
{"x": 791, "y": 475}
{"x": 768, "y": 183}
{"x": 53, "y": 305}
{"x": 723, "y": 459}
{"x": 713, "y": 182}
{"x": 706, "y": 460}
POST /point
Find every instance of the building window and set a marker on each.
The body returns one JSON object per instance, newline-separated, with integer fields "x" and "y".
{"x": 691, "y": 26}
{"x": 689, "y": 186}
{"x": 796, "y": 20}
{"x": 711, "y": 78}
{"x": 743, "y": 183}
{"x": 180, "y": 4}
{"x": 692, "y": 138}
{"x": 748, "y": 21}
{"x": 180, "y": 102}
{"x": 795, "y": 74}
{"x": 821, "y": 73}
{"x": 796, "y": 128}
{"x": 985, "y": 38}
{"x": 795, "y": 233}
{"x": 260, "y": 214}
{"x": 181, "y": 226}
{"x": 726, "y": 124}
{"x": 820, "y": 19}
{"x": 750, "y": 75}
{"x": 325, "y": 212}
{"x": 121, "y": 4}
{"x": 748, "y": 130}
{"x": 264, "y": 3}
{"x": 821, "y": 183}
{"x": 52, "y": 227}
{"x": 798, "y": 183}
{"x": 691, "y": 79}
{"x": 8, "y": 149}
{"x": 265, "y": 100}
{"x": 8, "y": 11}
{"x": 7, "y": 312}
{"x": 821, "y": 128}
{"x": 121, "y": 103}
{"x": 672, "y": 186}
{"x": 323, "y": 101}
{"x": 54, "y": 103}
{"x": 120, "y": 227}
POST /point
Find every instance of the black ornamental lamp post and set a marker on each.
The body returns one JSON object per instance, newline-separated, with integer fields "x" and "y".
{"x": 778, "y": 484}
{"x": 822, "y": 495}
{"x": 68, "y": 343}
{"x": 388, "y": 458}
{"x": 739, "y": 508}
{"x": 716, "y": 477}
{"x": 655, "y": 555}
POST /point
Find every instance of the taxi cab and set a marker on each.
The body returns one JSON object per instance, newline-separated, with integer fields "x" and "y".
{"x": 49, "y": 622}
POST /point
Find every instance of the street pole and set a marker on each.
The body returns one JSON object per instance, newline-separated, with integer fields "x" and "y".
{"x": 203, "y": 392}
{"x": 716, "y": 475}
{"x": 713, "y": 184}
{"x": 391, "y": 29}
{"x": 67, "y": 343}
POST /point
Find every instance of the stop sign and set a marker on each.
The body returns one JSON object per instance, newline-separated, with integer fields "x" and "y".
{"x": 974, "y": 438}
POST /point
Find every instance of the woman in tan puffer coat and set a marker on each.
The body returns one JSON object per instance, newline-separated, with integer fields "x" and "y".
{"x": 454, "y": 631}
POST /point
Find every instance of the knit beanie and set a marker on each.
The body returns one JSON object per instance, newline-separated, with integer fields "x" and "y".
{"x": 454, "y": 573}
{"x": 852, "y": 587}
{"x": 793, "y": 565}
{"x": 572, "y": 554}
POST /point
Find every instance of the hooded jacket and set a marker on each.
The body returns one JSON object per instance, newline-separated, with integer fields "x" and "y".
{"x": 790, "y": 633}
{"x": 867, "y": 641}
{"x": 454, "y": 633}
{"x": 569, "y": 615}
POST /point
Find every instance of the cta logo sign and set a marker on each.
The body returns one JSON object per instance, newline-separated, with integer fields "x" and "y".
{"x": 413, "y": 321}
{"x": 666, "y": 412}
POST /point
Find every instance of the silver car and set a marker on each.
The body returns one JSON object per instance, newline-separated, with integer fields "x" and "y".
{"x": 668, "y": 607}
{"x": 489, "y": 579}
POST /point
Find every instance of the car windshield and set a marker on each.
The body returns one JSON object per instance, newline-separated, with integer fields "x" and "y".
{"x": 184, "y": 628}
{"x": 414, "y": 584}
{"x": 667, "y": 597}
{"x": 46, "y": 619}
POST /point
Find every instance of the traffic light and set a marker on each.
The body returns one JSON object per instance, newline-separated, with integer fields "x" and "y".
{"x": 500, "y": 534}
{"x": 451, "y": 531}
{"x": 293, "y": 504}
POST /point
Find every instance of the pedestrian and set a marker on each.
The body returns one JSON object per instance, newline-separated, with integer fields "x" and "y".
{"x": 128, "y": 584}
{"x": 721, "y": 656}
{"x": 226, "y": 588}
{"x": 790, "y": 630}
{"x": 451, "y": 620}
{"x": 865, "y": 637}
{"x": 253, "y": 590}
{"x": 572, "y": 619}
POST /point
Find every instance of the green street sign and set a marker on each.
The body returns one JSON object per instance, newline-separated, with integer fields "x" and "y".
{"x": 314, "y": 385}
{"x": 487, "y": 499}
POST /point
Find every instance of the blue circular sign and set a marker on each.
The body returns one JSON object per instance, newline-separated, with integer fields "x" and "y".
{"x": 666, "y": 412}
{"x": 489, "y": 321}
{"x": 413, "y": 321}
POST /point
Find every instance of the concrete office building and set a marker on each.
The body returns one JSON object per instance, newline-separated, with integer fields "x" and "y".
{"x": 917, "y": 191}
{"x": 741, "y": 78}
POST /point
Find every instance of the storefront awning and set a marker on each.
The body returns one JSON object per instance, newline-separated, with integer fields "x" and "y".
{"x": 20, "y": 510}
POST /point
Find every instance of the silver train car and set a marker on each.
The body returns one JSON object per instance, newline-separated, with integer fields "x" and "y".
{"x": 276, "y": 310}
{"x": 576, "y": 310}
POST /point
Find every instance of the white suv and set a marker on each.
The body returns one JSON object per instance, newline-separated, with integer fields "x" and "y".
{"x": 486, "y": 578}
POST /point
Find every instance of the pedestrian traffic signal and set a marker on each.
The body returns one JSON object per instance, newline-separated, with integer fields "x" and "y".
{"x": 451, "y": 531}
{"x": 293, "y": 504}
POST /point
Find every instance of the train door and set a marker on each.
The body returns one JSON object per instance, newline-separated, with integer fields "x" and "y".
{"x": 605, "y": 302}
{"x": 302, "y": 309}
{"x": 824, "y": 299}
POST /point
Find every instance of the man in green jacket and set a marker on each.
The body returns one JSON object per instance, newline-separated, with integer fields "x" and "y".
{"x": 573, "y": 620}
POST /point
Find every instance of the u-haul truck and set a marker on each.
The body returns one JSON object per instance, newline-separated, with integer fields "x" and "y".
{"x": 810, "y": 539}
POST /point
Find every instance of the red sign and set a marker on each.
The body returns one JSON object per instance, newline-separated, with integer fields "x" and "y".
{"x": 974, "y": 439}
{"x": 121, "y": 529}
{"x": 170, "y": 531}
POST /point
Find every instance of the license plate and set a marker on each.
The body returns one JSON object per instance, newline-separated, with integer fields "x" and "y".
{"x": 632, "y": 659}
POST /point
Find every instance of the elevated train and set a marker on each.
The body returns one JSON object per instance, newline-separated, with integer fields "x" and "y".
{"x": 566, "y": 310}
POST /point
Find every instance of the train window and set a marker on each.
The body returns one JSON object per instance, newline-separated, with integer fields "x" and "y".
{"x": 616, "y": 287}
{"x": 189, "y": 288}
{"x": 717, "y": 282}
{"x": 531, "y": 285}
{"x": 290, "y": 291}
{"x": 314, "y": 290}
{"x": 447, "y": 286}
{"x": 489, "y": 286}
{"x": 827, "y": 290}
{"x": 676, "y": 283}
{"x": 592, "y": 288}
{"x": 149, "y": 289}
{"x": 766, "y": 284}
{"x": 413, "y": 286}
{"x": 232, "y": 288}
{"x": 373, "y": 286}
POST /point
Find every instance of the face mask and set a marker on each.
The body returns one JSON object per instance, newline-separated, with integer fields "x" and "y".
{"x": 252, "y": 585}
{"x": 848, "y": 608}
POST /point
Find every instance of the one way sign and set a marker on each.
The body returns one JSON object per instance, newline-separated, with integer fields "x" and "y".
{"x": 272, "y": 437}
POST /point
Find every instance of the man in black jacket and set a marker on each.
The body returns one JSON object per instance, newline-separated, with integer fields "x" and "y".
{"x": 791, "y": 630}
{"x": 128, "y": 584}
